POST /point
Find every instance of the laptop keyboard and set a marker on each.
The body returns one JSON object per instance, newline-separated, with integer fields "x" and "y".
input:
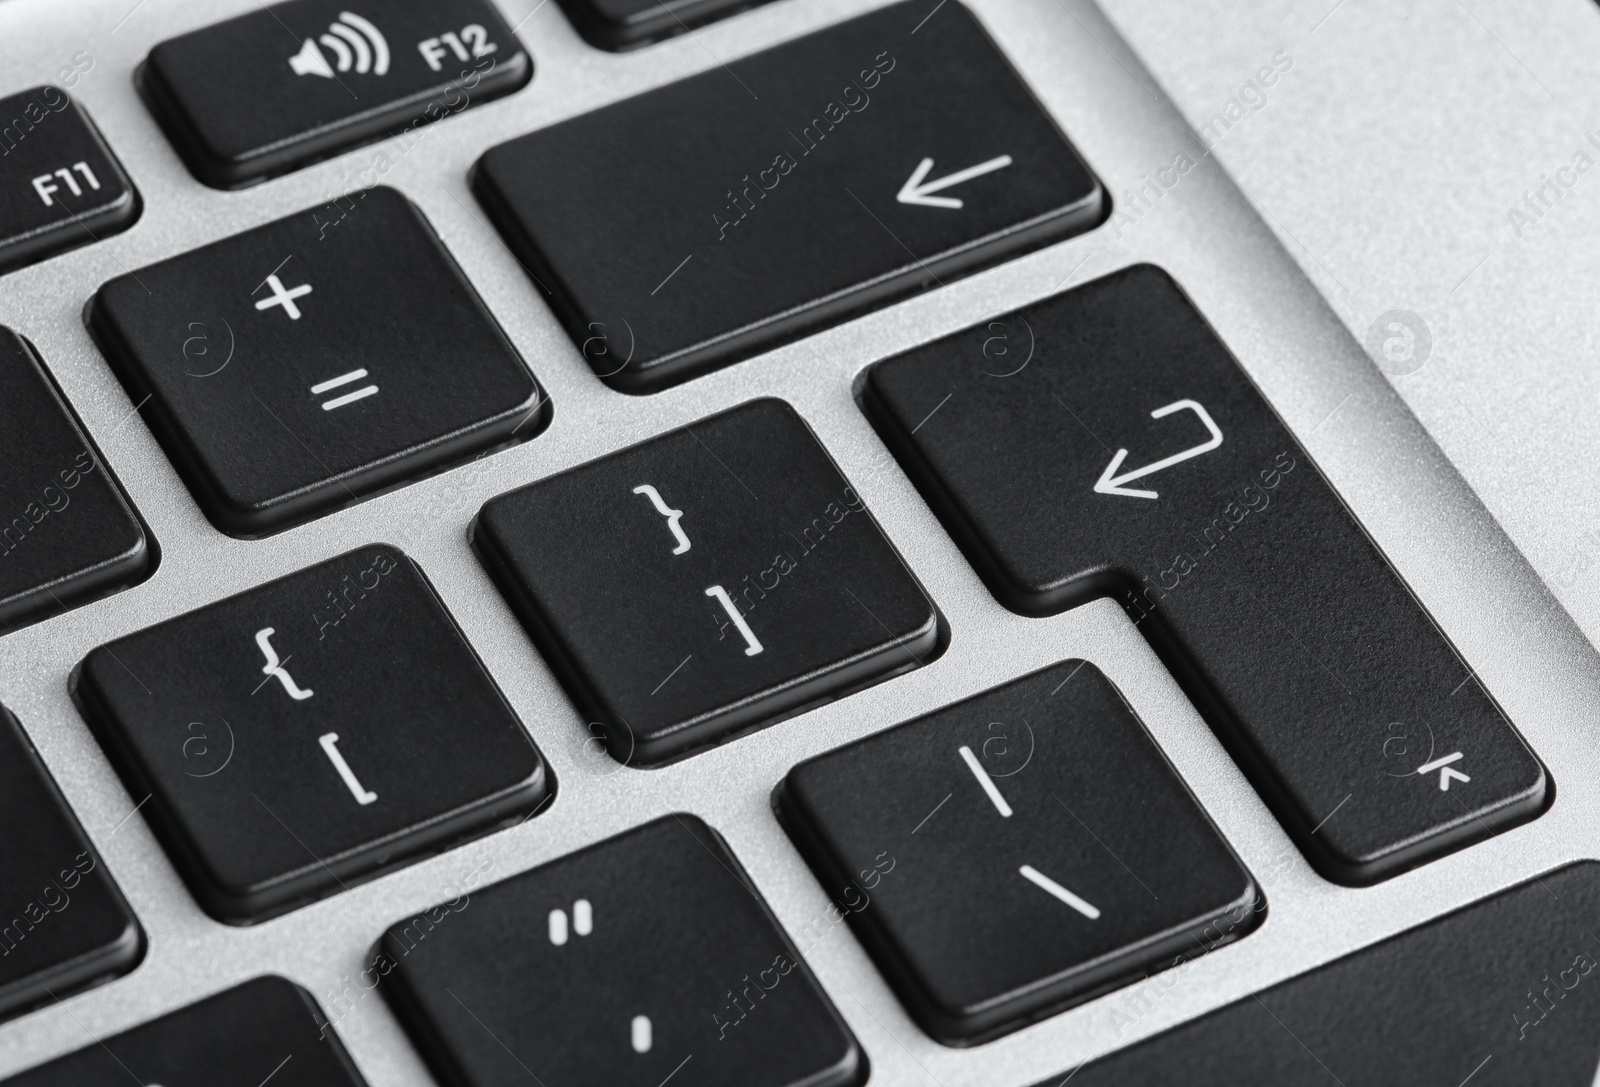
{"x": 920, "y": 701}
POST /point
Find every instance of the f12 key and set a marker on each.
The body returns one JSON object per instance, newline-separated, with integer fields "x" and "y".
{"x": 283, "y": 86}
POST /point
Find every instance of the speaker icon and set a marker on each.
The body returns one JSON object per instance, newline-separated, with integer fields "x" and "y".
{"x": 354, "y": 43}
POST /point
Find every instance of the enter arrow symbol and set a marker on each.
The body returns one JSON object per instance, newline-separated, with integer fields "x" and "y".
{"x": 1112, "y": 483}
{"x": 918, "y": 189}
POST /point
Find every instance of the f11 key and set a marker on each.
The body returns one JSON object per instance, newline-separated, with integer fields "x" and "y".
{"x": 63, "y": 188}
{"x": 1131, "y": 455}
{"x": 828, "y": 175}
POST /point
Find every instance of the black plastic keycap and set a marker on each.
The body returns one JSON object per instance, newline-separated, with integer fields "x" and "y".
{"x": 66, "y": 924}
{"x": 1104, "y": 441}
{"x": 1043, "y": 851}
{"x": 60, "y": 185}
{"x": 648, "y": 955}
{"x": 626, "y": 24}
{"x": 316, "y": 730}
{"x": 267, "y": 1030}
{"x": 282, "y": 86}
{"x": 708, "y": 581}
{"x": 308, "y": 363}
{"x": 67, "y": 532}
{"x": 827, "y": 175}
{"x": 1500, "y": 994}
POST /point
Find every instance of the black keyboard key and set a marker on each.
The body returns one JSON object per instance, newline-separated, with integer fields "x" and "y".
{"x": 67, "y": 532}
{"x": 246, "y": 1036}
{"x": 1130, "y": 455}
{"x": 646, "y": 955}
{"x": 316, "y": 730}
{"x": 834, "y": 173}
{"x": 714, "y": 579}
{"x": 308, "y": 363}
{"x": 282, "y": 86}
{"x": 1503, "y": 992}
{"x": 626, "y": 24}
{"x": 1043, "y": 851}
{"x": 67, "y": 925}
{"x": 62, "y": 185}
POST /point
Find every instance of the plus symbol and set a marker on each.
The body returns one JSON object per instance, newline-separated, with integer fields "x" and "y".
{"x": 284, "y": 298}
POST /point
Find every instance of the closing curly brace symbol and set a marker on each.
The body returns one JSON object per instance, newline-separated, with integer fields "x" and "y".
{"x": 673, "y": 516}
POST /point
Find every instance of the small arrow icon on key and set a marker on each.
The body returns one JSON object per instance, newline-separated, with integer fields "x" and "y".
{"x": 918, "y": 190}
{"x": 1446, "y": 771}
{"x": 1112, "y": 483}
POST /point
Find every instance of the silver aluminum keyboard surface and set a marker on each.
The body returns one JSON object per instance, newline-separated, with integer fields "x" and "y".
{"x": 1420, "y": 157}
{"x": 1523, "y": 647}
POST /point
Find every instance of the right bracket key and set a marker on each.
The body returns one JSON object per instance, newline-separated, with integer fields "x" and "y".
{"x": 1130, "y": 455}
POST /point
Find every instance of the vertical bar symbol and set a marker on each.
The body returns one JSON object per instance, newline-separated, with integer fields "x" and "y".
{"x": 642, "y": 1034}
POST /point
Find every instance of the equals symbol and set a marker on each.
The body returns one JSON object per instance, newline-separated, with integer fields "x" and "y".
{"x": 347, "y": 398}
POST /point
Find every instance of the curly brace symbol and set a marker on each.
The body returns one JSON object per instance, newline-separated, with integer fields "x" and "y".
{"x": 673, "y": 516}
{"x": 274, "y": 667}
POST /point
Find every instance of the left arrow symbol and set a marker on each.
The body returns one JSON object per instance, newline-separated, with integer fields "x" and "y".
{"x": 918, "y": 189}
